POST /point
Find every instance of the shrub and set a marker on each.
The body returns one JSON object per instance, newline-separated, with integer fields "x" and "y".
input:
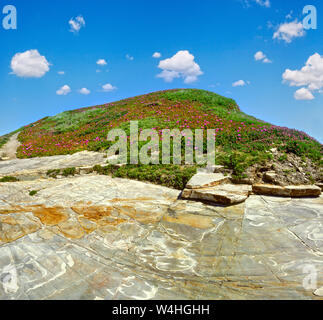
{"x": 69, "y": 172}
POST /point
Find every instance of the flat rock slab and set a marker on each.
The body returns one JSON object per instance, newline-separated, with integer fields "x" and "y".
{"x": 226, "y": 194}
{"x": 18, "y": 167}
{"x": 204, "y": 180}
{"x": 289, "y": 191}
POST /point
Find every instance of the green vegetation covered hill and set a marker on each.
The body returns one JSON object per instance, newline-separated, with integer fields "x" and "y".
{"x": 242, "y": 140}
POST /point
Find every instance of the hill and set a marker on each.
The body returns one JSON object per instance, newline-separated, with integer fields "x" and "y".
{"x": 244, "y": 144}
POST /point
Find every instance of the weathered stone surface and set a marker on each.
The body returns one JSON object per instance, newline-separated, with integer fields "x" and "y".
{"x": 226, "y": 194}
{"x": 319, "y": 292}
{"x": 304, "y": 191}
{"x": 39, "y": 166}
{"x": 204, "y": 180}
{"x": 320, "y": 185}
{"x": 289, "y": 191}
{"x": 94, "y": 237}
{"x": 270, "y": 177}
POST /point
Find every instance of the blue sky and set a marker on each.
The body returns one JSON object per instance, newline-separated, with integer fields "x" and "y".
{"x": 209, "y": 44}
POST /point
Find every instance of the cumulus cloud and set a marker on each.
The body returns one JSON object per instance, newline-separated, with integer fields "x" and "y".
{"x": 310, "y": 76}
{"x": 84, "y": 91}
{"x": 239, "y": 83}
{"x": 76, "y": 24}
{"x": 181, "y": 65}
{"x": 129, "y": 57}
{"x": 108, "y": 87}
{"x": 289, "y": 30}
{"x": 260, "y": 56}
{"x": 64, "y": 90}
{"x": 29, "y": 64}
{"x": 303, "y": 94}
{"x": 101, "y": 62}
{"x": 61, "y": 73}
{"x": 157, "y": 55}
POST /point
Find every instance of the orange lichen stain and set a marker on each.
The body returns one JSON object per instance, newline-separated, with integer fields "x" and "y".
{"x": 11, "y": 210}
{"x": 194, "y": 221}
{"x": 111, "y": 221}
{"x": 93, "y": 213}
{"x": 109, "y": 215}
{"x": 49, "y": 216}
{"x": 90, "y": 217}
{"x": 8, "y": 220}
{"x": 71, "y": 230}
{"x": 140, "y": 215}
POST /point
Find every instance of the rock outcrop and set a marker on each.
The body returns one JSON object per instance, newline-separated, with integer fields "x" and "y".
{"x": 205, "y": 180}
{"x": 289, "y": 191}
{"x": 226, "y": 194}
{"x": 35, "y": 168}
{"x": 94, "y": 237}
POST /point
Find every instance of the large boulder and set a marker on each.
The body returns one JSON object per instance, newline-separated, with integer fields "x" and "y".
{"x": 226, "y": 194}
{"x": 289, "y": 191}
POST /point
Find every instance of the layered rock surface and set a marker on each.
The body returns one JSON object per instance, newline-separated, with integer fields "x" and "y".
{"x": 37, "y": 167}
{"x": 288, "y": 191}
{"x": 95, "y": 237}
{"x": 226, "y": 194}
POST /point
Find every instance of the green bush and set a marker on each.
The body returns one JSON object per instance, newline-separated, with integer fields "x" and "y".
{"x": 53, "y": 173}
{"x": 69, "y": 172}
{"x": 171, "y": 176}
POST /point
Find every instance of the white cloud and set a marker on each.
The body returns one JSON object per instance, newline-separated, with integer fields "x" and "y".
{"x": 76, "y": 24}
{"x": 61, "y": 72}
{"x": 260, "y": 56}
{"x": 289, "y": 30}
{"x": 303, "y": 94}
{"x": 108, "y": 87}
{"x": 181, "y": 65}
{"x": 157, "y": 55}
{"x": 239, "y": 83}
{"x": 310, "y": 76}
{"x": 64, "y": 90}
{"x": 101, "y": 62}
{"x": 29, "y": 64}
{"x": 264, "y": 3}
{"x": 84, "y": 91}
{"x": 129, "y": 57}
